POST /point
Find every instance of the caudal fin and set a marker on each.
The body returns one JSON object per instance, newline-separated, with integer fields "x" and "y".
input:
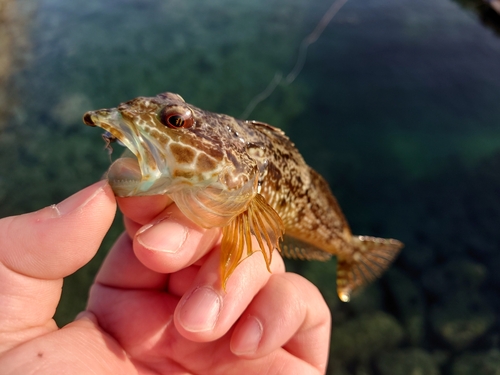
{"x": 370, "y": 258}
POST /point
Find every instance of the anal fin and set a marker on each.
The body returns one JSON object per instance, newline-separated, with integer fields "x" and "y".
{"x": 370, "y": 257}
{"x": 260, "y": 220}
{"x": 295, "y": 249}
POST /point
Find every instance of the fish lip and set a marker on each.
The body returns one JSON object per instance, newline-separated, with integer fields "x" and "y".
{"x": 87, "y": 119}
{"x": 151, "y": 163}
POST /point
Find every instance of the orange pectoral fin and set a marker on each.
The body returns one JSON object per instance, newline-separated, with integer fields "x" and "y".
{"x": 263, "y": 222}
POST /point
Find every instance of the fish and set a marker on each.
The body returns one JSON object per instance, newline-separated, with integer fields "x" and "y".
{"x": 246, "y": 177}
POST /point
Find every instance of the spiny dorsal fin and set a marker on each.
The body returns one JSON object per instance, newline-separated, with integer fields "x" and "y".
{"x": 370, "y": 257}
{"x": 296, "y": 249}
{"x": 263, "y": 222}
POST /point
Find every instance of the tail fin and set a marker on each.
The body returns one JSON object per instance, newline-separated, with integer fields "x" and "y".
{"x": 369, "y": 259}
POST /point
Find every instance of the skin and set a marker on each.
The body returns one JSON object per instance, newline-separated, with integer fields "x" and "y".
{"x": 156, "y": 306}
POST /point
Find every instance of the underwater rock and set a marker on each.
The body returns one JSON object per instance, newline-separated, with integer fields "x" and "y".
{"x": 487, "y": 363}
{"x": 362, "y": 337}
{"x": 461, "y": 319}
{"x": 367, "y": 300}
{"x": 410, "y": 303}
{"x": 457, "y": 274}
{"x": 412, "y": 361}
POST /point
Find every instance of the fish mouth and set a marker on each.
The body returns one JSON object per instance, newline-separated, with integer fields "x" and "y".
{"x": 142, "y": 170}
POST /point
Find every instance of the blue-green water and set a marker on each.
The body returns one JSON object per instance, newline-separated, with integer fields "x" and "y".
{"x": 397, "y": 106}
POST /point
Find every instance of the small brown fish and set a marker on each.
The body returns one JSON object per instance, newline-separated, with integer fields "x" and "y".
{"x": 244, "y": 176}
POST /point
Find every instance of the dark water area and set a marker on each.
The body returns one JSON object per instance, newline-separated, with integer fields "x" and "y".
{"x": 397, "y": 106}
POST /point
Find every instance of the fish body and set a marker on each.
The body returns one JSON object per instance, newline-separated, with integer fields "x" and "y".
{"x": 246, "y": 177}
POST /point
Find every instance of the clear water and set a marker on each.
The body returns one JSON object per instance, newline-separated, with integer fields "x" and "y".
{"x": 397, "y": 106}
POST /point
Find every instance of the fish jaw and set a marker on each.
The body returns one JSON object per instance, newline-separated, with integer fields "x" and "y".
{"x": 144, "y": 171}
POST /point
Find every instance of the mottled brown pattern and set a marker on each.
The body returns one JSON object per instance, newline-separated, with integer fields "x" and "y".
{"x": 205, "y": 163}
{"x": 248, "y": 158}
{"x": 209, "y": 146}
{"x": 184, "y": 174}
{"x": 302, "y": 197}
{"x": 182, "y": 154}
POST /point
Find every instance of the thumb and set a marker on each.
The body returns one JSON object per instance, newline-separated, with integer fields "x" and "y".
{"x": 56, "y": 241}
{"x": 38, "y": 249}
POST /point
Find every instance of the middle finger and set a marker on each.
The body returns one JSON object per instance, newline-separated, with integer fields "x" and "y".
{"x": 206, "y": 312}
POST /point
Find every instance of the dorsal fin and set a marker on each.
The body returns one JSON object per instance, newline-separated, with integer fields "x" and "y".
{"x": 266, "y": 128}
{"x": 263, "y": 222}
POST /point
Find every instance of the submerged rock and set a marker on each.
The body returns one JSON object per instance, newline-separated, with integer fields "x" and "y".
{"x": 461, "y": 319}
{"x": 407, "y": 362}
{"x": 487, "y": 363}
{"x": 363, "y": 337}
{"x": 457, "y": 274}
{"x": 410, "y": 303}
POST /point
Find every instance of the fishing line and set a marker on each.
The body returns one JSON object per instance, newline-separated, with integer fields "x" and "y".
{"x": 313, "y": 37}
{"x": 262, "y": 95}
{"x": 301, "y": 58}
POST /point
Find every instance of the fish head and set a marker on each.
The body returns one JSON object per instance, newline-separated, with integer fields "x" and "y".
{"x": 177, "y": 149}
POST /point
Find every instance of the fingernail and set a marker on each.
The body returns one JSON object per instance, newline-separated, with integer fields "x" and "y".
{"x": 166, "y": 236}
{"x": 79, "y": 200}
{"x": 251, "y": 334}
{"x": 200, "y": 310}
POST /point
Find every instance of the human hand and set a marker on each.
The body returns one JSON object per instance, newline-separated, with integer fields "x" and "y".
{"x": 156, "y": 306}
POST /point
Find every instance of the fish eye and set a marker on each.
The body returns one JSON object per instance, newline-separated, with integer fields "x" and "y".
{"x": 176, "y": 117}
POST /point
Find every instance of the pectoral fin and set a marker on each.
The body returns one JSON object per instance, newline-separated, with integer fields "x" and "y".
{"x": 259, "y": 220}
